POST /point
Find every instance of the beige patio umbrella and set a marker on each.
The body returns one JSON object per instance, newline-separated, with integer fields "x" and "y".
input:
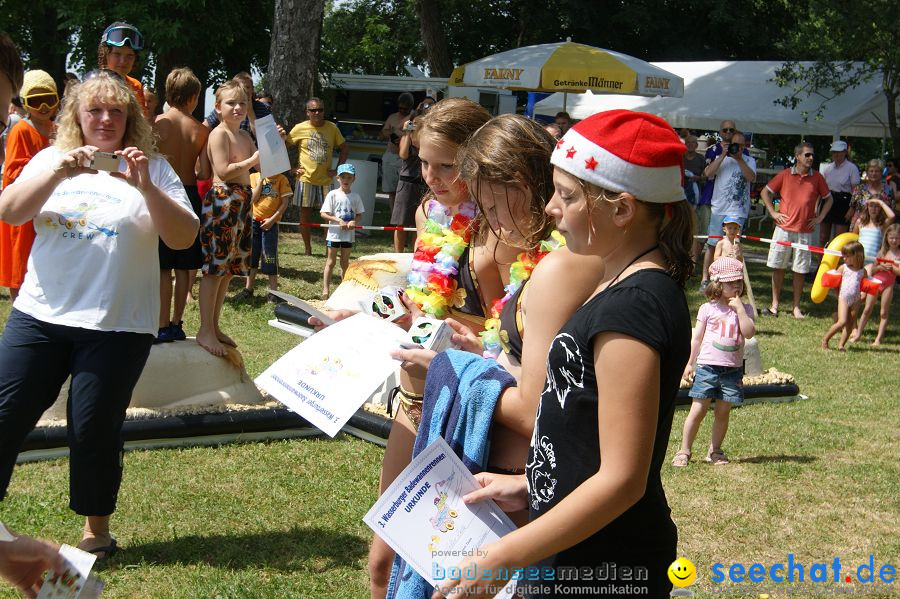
{"x": 568, "y": 67}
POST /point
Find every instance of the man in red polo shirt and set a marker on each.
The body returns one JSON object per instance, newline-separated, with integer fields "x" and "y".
{"x": 800, "y": 187}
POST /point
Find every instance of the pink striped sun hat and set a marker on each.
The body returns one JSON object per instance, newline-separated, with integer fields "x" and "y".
{"x": 726, "y": 269}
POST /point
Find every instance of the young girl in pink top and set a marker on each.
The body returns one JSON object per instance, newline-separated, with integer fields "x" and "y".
{"x": 723, "y": 323}
{"x": 886, "y": 272}
{"x": 852, "y": 273}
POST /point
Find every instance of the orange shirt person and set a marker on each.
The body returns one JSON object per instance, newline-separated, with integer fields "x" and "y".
{"x": 28, "y": 137}
{"x": 118, "y": 50}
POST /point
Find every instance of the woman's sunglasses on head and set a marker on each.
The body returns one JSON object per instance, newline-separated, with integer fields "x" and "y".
{"x": 120, "y": 35}
{"x": 103, "y": 73}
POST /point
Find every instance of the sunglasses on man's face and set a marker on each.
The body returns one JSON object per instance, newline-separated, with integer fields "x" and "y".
{"x": 40, "y": 101}
{"x": 728, "y": 130}
{"x": 808, "y": 155}
{"x": 315, "y": 110}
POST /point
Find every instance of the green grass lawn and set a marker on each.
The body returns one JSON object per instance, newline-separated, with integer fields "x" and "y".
{"x": 817, "y": 478}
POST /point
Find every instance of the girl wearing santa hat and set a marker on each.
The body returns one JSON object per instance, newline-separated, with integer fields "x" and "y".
{"x": 592, "y": 481}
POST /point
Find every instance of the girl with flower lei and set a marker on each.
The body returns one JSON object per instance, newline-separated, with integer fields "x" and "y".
{"x": 506, "y": 163}
{"x": 444, "y": 238}
{"x": 454, "y": 272}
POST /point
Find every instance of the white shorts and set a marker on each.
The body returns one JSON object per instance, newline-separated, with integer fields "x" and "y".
{"x": 390, "y": 171}
{"x": 781, "y": 256}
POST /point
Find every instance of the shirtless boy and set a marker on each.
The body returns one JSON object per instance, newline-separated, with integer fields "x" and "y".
{"x": 182, "y": 139}
{"x": 225, "y": 222}
{"x": 730, "y": 244}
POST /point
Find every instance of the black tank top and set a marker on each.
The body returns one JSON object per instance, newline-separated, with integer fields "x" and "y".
{"x": 510, "y": 324}
{"x": 472, "y": 303}
{"x": 650, "y": 307}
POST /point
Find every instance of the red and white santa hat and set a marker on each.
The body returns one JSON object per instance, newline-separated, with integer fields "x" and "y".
{"x": 625, "y": 151}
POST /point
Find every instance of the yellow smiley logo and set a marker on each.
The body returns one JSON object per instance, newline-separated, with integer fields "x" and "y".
{"x": 682, "y": 572}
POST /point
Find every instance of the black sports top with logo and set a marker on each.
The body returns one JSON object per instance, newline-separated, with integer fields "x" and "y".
{"x": 649, "y": 306}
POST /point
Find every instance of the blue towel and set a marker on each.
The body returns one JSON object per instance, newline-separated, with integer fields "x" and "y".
{"x": 461, "y": 391}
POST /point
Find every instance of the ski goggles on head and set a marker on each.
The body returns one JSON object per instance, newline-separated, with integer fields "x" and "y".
{"x": 41, "y": 101}
{"x": 120, "y": 35}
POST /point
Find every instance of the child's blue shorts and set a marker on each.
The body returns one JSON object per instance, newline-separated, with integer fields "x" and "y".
{"x": 718, "y": 382}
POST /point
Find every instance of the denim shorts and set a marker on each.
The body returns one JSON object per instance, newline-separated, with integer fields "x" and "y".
{"x": 718, "y": 382}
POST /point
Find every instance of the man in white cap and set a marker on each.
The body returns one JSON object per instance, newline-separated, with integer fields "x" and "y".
{"x": 842, "y": 176}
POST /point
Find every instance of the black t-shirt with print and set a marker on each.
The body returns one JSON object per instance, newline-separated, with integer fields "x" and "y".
{"x": 649, "y": 306}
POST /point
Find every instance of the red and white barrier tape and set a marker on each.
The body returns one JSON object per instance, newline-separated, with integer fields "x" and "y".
{"x": 365, "y": 227}
{"x": 797, "y": 246}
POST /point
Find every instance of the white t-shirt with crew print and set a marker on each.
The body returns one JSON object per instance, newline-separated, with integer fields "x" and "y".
{"x": 94, "y": 263}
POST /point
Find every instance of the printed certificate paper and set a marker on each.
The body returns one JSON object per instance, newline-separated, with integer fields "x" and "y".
{"x": 329, "y": 376}
{"x": 75, "y": 582}
{"x": 423, "y": 518}
{"x": 273, "y": 156}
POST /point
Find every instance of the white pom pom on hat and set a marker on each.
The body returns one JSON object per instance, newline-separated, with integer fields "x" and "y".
{"x": 625, "y": 151}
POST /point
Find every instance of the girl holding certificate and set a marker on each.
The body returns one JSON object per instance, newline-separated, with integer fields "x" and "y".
{"x": 506, "y": 165}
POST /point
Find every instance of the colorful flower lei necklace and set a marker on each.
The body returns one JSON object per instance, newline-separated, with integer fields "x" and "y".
{"x": 493, "y": 339}
{"x": 430, "y": 282}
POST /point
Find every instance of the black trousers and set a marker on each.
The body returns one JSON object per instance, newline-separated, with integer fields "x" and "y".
{"x": 35, "y": 359}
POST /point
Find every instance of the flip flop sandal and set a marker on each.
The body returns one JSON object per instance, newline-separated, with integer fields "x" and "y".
{"x": 717, "y": 458}
{"x": 772, "y": 312}
{"x": 681, "y": 459}
{"x": 107, "y": 551}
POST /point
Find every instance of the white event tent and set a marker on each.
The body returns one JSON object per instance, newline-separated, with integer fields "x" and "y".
{"x": 743, "y": 91}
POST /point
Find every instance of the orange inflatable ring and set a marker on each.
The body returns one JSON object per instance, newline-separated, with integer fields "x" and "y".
{"x": 832, "y": 278}
{"x": 871, "y": 285}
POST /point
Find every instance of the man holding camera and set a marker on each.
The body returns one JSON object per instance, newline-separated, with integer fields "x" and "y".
{"x": 410, "y": 186}
{"x": 734, "y": 170}
{"x": 392, "y": 131}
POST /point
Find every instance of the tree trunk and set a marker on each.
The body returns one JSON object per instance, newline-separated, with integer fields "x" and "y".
{"x": 49, "y": 50}
{"x": 891, "y": 90}
{"x": 436, "y": 48}
{"x": 892, "y": 123}
{"x": 294, "y": 57}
